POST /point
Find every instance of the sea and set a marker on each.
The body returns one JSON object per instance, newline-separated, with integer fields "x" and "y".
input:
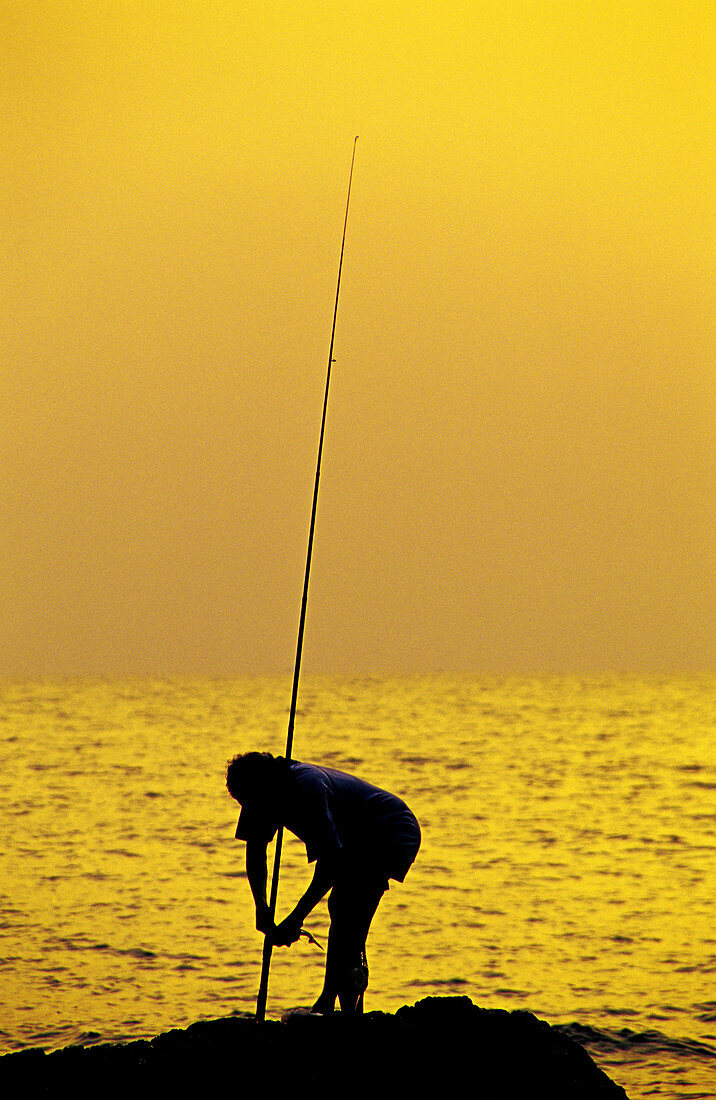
{"x": 567, "y": 864}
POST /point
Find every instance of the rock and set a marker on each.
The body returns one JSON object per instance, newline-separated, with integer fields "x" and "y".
{"x": 438, "y": 1044}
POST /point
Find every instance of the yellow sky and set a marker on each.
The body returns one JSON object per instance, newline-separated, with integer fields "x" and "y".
{"x": 517, "y": 474}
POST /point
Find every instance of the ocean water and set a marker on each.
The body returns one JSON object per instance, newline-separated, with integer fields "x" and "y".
{"x": 567, "y": 867}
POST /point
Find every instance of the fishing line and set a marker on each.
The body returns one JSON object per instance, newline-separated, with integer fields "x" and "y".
{"x": 268, "y": 945}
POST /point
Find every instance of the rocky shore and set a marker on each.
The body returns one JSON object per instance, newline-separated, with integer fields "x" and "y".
{"x": 440, "y": 1043}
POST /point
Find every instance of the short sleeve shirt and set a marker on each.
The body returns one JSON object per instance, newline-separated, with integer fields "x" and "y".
{"x": 336, "y": 814}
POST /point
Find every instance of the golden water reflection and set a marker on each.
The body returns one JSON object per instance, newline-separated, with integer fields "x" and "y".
{"x": 566, "y": 867}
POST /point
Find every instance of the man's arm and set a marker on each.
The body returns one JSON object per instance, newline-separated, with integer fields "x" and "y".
{"x": 324, "y": 876}
{"x": 256, "y": 872}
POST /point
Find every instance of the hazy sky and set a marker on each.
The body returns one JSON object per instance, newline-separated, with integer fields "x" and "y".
{"x": 518, "y": 465}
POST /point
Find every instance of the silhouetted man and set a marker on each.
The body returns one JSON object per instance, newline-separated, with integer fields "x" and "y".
{"x": 360, "y": 837}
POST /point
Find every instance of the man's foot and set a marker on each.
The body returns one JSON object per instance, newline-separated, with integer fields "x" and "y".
{"x": 351, "y": 1003}
{"x": 325, "y": 1004}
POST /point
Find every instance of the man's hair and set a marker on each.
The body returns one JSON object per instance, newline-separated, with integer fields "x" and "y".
{"x": 251, "y": 770}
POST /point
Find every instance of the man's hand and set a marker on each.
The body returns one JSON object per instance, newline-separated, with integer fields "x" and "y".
{"x": 287, "y": 932}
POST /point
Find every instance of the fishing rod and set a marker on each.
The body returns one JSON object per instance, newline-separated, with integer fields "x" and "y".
{"x": 268, "y": 945}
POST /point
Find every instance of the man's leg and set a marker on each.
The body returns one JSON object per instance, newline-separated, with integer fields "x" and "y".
{"x": 352, "y": 904}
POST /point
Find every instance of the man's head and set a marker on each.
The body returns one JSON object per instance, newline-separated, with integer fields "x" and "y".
{"x": 253, "y": 775}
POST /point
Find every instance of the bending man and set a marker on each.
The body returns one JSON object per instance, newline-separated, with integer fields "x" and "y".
{"x": 359, "y": 837}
